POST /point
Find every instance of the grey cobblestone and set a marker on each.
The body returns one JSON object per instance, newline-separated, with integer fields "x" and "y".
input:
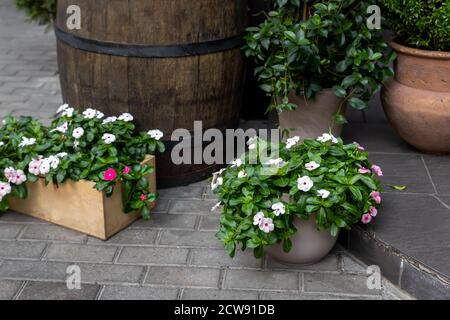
{"x": 219, "y": 258}
{"x": 21, "y": 249}
{"x": 52, "y": 233}
{"x": 337, "y": 283}
{"x": 168, "y": 221}
{"x": 262, "y": 280}
{"x": 196, "y": 294}
{"x": 184, "y": 277}
{"x": 148, "y": 256}
{"x": 80, "y": 253}
{"x": 138, "y": 293}
{"x": 57, "y": 291}
{"x": 190, "y": 238}
{"x": 10, "y": 231}
{"x": 191, "y": 206}
{"x": 129, "y": 237}
{"x": 8, "y": 289}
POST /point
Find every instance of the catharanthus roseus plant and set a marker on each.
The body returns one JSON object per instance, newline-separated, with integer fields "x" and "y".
{"x": 307, "y": 46}
{"x": 78, "y": 145}
{"x": 39, "y": 11}
{"x": 321, "y": 179}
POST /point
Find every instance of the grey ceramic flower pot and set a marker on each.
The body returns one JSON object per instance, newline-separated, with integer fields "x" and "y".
{"x": 309, "y": 245}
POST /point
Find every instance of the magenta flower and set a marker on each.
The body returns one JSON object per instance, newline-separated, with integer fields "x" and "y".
{"x": 376, "y": 196}
{"x": 110, "y": 175}
{"x": 143, "y": 197}
{"x": 360, "y": 148}
{"x": 364, "y": 170}
{"x": 377, "y": 170}
{"x": 373, "y": 211}
{"x": 126, "y": 170}
{"x": 366, "y": 218}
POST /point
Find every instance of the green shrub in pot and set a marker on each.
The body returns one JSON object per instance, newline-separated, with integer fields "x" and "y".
{"x": 322, "y": 179}
{"x": 417, "y": 100}
{"x": 419, "y": 24}
{"x": 308, "y": 46}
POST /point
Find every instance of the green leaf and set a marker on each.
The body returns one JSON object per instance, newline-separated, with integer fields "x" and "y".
{"x": 356, "y": 193}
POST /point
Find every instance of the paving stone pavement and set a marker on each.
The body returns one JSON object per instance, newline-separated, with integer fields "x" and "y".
{"x": 173, "y": 256}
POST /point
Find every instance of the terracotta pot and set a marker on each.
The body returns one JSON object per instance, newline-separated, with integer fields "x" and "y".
{"x": 417, "y": 100}
{"x": 309, "y": 245}
{"x": 312, "y": 118}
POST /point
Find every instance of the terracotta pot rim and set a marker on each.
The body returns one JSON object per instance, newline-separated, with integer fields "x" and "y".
{"x": 445, "y": 55}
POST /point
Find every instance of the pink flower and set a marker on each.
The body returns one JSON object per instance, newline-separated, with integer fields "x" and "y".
{"x": 258, "y": 219}
{"x": 360, "y": 148}
{"x": 366, "y": 218}
{"x": 377, "y": 170}
{"x": 143, "y": 197}
{"x": 376, "y": 196}
{"x": 373, "y": 211}
{"x": 126, "y": 170}
{"x": 364, "y": 170}
{"x": 267, "y": 225}
{"x": 110, "y": 175}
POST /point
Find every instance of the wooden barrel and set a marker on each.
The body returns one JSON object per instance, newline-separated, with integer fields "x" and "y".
{"x": 167, "y": 62}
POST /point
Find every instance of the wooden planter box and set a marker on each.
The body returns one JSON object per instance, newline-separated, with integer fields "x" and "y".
{"x": 78, "y": 206}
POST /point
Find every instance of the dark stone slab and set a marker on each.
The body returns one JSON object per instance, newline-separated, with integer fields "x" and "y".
{"x": 406, "y": 170}
{"x": 418, "y": 226}
{"x": 424, "y": 285}
{"x": 376, "y": 137}
{"x": 439, "y": 168}
{"x": 369, "y": 251}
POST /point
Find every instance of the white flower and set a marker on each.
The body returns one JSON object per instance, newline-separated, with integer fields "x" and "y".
{"x": 305, "y": 183}
{"x": 62, "y": 108}
{"x": 258, "y": 219}
{"x": 216, "y": 206}
{"x": 2, "y": 143}
{"x": 5, "y": 188}
{"x": 219, "y": 173}
{"x": 108, "y": 138}
{"x": 242, "y": 174}
{"x": 62, "y": 155}
{"x": 292, "y": 142}
{"x": 34, "y": 165}
{"x": 45, "y": 167}
{"x": 68, "y": 112}
{"x": 216, "y": 182}
{"x": 156, "y": 134}
{"x": 327, "y": 137}
{"x": 252, "y": 146}
{"x": 110, "y": 120}
{"x": 311, "y": 166}
{"x": 278, "y": 208}
{"x": 323, "y": 193}
{"x": 267, "y": 225}
{"x": 251, "y": 141}
{"x": 99, "y": 114}
{"x": 62, "y": 128}
{"x": 126, "y": 117}
{"x": 53, "y": 161}
{"x": 9, "y": 173}
{"x": 27, "y": 142}
{"x": 236, "y": 163}
{"x": 76, "y": 144}
{"x": 89, "y": 113}
{"x": 279, "y": 163}
{"x": 78, "y": 133}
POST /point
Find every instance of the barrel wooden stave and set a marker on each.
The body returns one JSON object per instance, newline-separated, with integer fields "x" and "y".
{"x": 163, "y": 93}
